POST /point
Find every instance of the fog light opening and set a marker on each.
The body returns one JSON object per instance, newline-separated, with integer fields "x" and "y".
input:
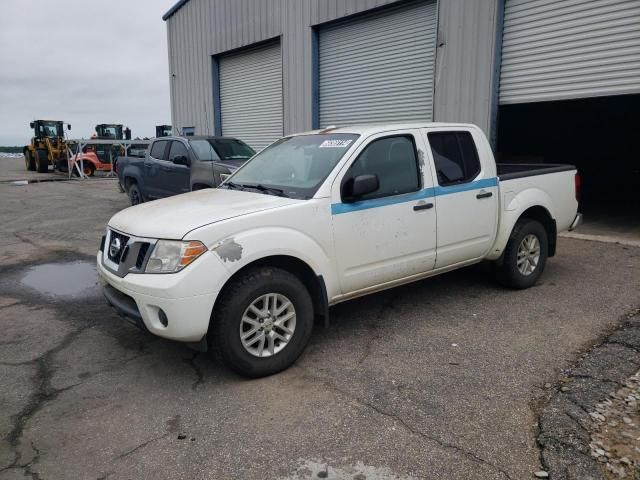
{"x": 163, "y": 317}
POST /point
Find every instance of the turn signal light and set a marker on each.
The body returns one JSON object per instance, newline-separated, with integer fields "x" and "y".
{"x": 194, "y": 250}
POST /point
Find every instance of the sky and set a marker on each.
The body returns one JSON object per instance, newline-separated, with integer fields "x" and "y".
{"x": 84, "y": 62}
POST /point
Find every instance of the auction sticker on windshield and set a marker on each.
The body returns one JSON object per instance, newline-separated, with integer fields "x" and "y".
{"x": 335, "y": 143}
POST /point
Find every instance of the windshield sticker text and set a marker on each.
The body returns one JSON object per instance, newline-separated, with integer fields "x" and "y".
{"x": 335, "y": 143}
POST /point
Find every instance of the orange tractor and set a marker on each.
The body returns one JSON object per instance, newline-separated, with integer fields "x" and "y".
{"x": 98, "y": 156}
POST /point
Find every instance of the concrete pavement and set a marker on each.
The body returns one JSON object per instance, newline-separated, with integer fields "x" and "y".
{"x": 440, "y": 379}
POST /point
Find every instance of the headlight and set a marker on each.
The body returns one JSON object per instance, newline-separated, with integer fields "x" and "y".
{"x": 170, "y": 256}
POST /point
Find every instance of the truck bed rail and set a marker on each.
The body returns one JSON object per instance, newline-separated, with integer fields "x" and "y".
{"x": 510, "y": 171}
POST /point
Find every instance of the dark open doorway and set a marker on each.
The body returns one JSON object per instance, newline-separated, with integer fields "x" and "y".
{"x": 601, "y": 136}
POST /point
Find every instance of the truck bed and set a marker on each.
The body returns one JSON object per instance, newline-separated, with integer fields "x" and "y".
{"x": 510, "y": 171}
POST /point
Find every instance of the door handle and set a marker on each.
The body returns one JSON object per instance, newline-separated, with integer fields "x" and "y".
{"x": 484, "y": 195}
{"x": 423, "y": 206}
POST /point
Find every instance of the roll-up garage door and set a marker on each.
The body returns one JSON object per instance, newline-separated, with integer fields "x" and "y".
{"x": 378, "y": 68}
{"x": 555, "y": 50}
{"x": 251, "y": 95}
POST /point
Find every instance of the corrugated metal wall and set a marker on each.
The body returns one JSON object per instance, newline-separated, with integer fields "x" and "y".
{"x": 202, "y": 28}
{"x": 380, "y": 68}
{"x": 251, "y": 95}
{"x": 559, "y": 50}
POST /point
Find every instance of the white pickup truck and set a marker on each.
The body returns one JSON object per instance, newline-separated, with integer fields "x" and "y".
{"x": 322, "y": 217}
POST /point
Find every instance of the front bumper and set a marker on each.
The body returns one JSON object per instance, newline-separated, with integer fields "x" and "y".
{"x": 576, "y": 222}
{"x": 186, "y": 298}
{"x": 124, "y": 305}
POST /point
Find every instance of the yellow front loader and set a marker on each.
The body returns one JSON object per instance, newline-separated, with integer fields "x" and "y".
{"x": 48, "y": 146}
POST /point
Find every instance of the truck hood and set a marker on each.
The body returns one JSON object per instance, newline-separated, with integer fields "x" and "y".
{"x": 174, "y": 217}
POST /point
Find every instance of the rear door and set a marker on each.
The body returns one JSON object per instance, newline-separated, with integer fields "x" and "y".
{"x": 153, "y": 162}
{"x": 466, "y": 194}
{"x": 176, "y": 178}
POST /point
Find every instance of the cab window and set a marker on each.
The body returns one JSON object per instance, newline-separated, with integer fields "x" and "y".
{"x": 455, "y": 157}
{"x": 177, "y": 149}
{"x": 158, "y": 149}
{"x": 394, "y": 161}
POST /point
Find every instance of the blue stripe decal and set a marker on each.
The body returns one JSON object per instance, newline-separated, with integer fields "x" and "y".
{"x": 465, "y": 187}
{"x": 339, "y": 208}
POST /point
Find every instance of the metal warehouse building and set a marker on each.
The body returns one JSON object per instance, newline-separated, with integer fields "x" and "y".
{"x": 547, "y": 80}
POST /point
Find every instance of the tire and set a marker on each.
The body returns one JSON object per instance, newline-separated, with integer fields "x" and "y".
{"x": 228, "y": 322}
{"x": 527, "y": 238}
{"x": 42, "y": 161}
{"x": 29, "y": 161}
{"x": 135, "y": 195}
{"x": 88, "y": 168}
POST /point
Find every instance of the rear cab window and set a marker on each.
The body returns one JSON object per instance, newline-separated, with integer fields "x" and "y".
{"x": 455, "y": 157}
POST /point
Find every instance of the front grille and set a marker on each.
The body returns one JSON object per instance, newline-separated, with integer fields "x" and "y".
{"x": 117, "y": 244}
{"x": 142, "y": 254}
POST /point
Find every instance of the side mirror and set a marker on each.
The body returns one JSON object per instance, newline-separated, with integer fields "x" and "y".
{"x": 68, "y": 126}
{"x": 32, "y": 124}
{"x": 181, "y": 160}
{"x": 354, "y": 188}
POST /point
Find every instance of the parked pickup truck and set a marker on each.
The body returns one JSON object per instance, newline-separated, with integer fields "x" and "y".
{"x": 173, "y": 165}
{"x": 322, "y": 217}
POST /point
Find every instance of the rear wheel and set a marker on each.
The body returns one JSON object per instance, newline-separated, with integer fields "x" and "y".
{"x": 42, "y": 161}
{"x": 525, "y": 255}
{"x": 29, "y": 161}
{"x": 88, "y": 168}
{"x": 135, "y": 195}
{"x": 262, "y": 322}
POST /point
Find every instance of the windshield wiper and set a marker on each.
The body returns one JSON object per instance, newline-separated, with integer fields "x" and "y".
{"x": 234, "y": 186}
{"x": 271, "y": 190}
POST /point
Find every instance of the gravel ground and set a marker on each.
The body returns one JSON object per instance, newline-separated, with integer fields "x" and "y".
{"x": 441, "y": 379}
{"x": 589, "y": 425}
{"x": 615, "y": 437}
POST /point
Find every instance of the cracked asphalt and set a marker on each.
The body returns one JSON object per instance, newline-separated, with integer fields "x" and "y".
{"x": 441, "y": 379}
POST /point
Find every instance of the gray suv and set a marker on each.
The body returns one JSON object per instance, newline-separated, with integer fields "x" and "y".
{"x": 174, "y": 165}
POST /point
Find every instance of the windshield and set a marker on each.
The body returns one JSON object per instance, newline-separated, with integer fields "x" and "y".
{"x": 49, "y": 129}
{"x": 109, "y": 132}
{"x": 223, "y": 149}
{"x": 293, "y": 166}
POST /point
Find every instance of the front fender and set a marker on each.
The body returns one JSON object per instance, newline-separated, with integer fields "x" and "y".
{"x": 513, "y": 205}
{"x": 132, "y": 171}
{"x": 245, "y": 247}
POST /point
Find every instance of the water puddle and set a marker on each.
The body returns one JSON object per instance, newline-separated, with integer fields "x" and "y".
{"x": 64, "y": 279}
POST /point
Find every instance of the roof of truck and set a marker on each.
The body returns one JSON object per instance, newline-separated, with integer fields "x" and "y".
{"x": 368, "y": 129}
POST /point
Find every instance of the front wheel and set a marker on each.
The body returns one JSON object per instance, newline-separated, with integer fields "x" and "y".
{"x": 88, "y": 168}
{"x": 135, "y": 195}
{"x": 42, "y": 161}
{"x": 29, "y": 161}
{"x": 262, "y": 322}
{"x": 525, "y": 255}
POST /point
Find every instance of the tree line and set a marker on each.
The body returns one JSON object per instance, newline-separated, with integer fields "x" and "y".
{"x": 11, "y": 149}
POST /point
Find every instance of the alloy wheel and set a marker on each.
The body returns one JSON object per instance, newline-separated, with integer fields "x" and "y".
{"x": 267, "y": 325}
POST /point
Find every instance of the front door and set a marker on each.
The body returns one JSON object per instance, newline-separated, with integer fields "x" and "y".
{"x": 389, "y": 234}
